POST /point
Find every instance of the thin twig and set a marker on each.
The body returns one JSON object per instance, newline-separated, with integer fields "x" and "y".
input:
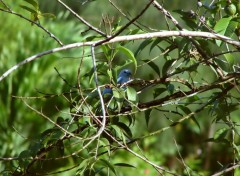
{"x": 191, "y": 114}
{"x": 125, "y": 26}
{"x": 186, "y": 167}
{"x": 82, "y": 20}
{"x": 33, "y": 22}
{"x": 103, "y": 123}
{"x": 139, "y": 156}
{"x": 194, "y": 42}
{"x": 227, "y": 170}
{"x": 123, "y": 14}
{"x": 50, "y": 120}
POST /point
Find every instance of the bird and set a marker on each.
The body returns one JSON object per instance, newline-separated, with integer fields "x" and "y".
{"x": 107, "y": 91}
{"x": 123, "y": 77}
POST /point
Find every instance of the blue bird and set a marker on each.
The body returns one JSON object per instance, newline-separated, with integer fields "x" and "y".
{"x": 107, "y": 90}
{"x": 123, "y": 77}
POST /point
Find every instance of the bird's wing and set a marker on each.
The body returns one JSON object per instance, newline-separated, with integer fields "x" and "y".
{"x": 119, "y": 80}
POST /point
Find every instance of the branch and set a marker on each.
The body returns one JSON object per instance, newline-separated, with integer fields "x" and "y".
{"x": 33, "y": 22}
{"x": 82, "y": 20}
{"x": 103, "y": 123}
{"x": 226, "y": 170}
{"x": 124, "y": 27}
{"x": 224, "y": 92}
{"x": 191, "y": 92}
{"x": 126, "y": 38}
{"x": 175, "y": 22}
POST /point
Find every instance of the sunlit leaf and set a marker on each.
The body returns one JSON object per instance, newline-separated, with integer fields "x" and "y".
{"x": 119, "y": 96}
{"x": 230, "y": 59}
{"x": 29, "y": 9}
{"x": 129, "y": 54}
{"x": 117, "y": 130}
{"x": 225, "y": 26}
{"x": 34, "y": 3}
{"x": 125, "y": 128}
{"x": 220, "y": 134}
{"x": 131, "y": 94}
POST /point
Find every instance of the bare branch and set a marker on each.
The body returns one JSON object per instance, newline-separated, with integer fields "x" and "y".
{"x": 227, "y": 170}
{"x": 50, "y": 120}
{"x": 33, "y": 22}
{"x": 82, "y": 20}
{"x": 103, "y": 123}
{"x": 124, "y": 27}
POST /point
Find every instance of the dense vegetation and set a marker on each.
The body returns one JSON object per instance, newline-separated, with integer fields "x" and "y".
{"x": 177, "y": 115}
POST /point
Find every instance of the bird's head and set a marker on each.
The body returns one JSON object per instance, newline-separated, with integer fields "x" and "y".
{"x": 125, "y": 73}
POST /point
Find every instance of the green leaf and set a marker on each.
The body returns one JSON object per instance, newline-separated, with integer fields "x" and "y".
{"x": 25, "y": 154}
{"x": 125, "y": 128}
{"x": 104, "y": 142}
{"x": 24, "y": 158}
{"x": 226, "y": 27}
{"x": 223, "y": 64}
{"x": 236, "y": 149}
{"x": 167, "y": 65}
{"x": 170, "y": 88}
{"x": 92, "y": 38}
{"x": 89, "y": 172}
{"x": 110, "y": 75}
{"x": 131, "y": 119}
{"x": 107, "y": 51}
{"x": 29, "y": 9}
{"x": 131, "y": 94}
{"x": 119, "y": 96}
{"x": 155, "y": 43}
{"x": 124, "y": 165}
{"x": 230, "y": 59}
{"x": 148, "y": 115}
{"x": 158, "y": 91}
{"x": 188, "y": 17}
{"x": 192, "y": 99}
{"x": 129, "y": 54}
{"x": 83, "y": 165}
{"x": 220, "y": 134}
{"x": 142, "y": 46}
{"x": 135, "y": 31}
{"x": 33, "y": 3}
{"x": 182, "y": 44}
{"x": 118, "y": 130}
{"x": 48, "y": 15}
{"x": 187, "y": 111}
{"x": 153, "y": 66}
{"x": 231, "y": 28}
{"x": 109, "y": 165}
